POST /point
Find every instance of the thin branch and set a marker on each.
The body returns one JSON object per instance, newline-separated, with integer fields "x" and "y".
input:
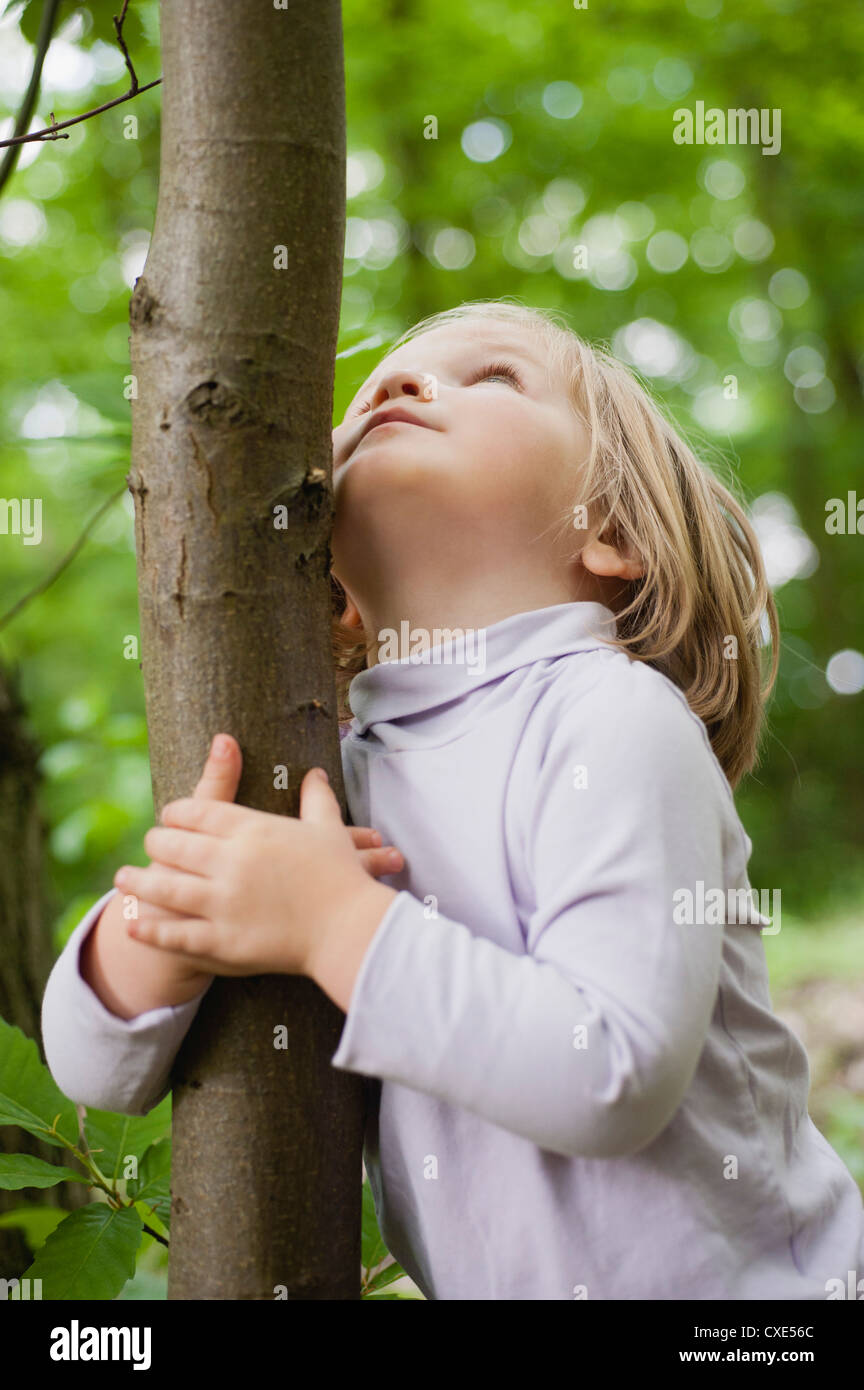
{"x": 86, "y": 1160}
{"x": 46, "y": 33}
{"x": 59, "y": 568}
{"x": 118, "y": 29}
{"x": 48, "y": 132}
{"x": 51, "y": 132}
{"x": 155, "y": 1235}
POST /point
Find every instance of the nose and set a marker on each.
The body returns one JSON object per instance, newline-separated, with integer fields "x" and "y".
{"x": 398, "y": 382}
{"x": 405, "y": 382}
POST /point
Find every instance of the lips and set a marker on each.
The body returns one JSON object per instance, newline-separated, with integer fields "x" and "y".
{"x": 392, "y": 415}
{"x": 396, "y": 415}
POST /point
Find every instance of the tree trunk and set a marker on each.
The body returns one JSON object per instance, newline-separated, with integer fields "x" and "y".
{"x": 25, "y": 947}
{"x": 233, "y": 360}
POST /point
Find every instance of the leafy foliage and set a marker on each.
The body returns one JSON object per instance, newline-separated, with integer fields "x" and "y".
{"x": 93, "y": 1251}
{"x": 768, "y": 291}
{"x": 29, "y": 1096}
{"x": 583, "y": 103}
{"x": 23, "y": 1170}
{"x": 91, "y": 1254}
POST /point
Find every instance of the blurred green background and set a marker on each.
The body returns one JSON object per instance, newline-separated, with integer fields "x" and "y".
{"x": 731, "y": 279}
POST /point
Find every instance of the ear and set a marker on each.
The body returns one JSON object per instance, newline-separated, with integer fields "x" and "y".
{"x": 351, "y": 616}
{"x": 612, "y": 559}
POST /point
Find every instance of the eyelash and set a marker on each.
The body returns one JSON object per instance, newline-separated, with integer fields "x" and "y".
{"x": 493, "y": 369}
{"x": 498, "y": 369}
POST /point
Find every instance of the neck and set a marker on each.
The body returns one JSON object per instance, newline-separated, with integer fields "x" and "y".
{"x": 466, "y": 607}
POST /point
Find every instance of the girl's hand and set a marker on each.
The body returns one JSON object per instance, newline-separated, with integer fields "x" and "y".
{"x": 243, "y": 892}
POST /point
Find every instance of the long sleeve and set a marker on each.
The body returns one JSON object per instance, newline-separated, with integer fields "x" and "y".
{"x": 587, "y": 1042}
{"x": 96, "y": 1058}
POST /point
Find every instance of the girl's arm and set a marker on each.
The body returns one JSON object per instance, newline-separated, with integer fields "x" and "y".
{"x": 128, "y": 976}
{"x": 115, "y": 1011}
{"x": 97, "y": 1058}
{"x": 587, "y": 1043}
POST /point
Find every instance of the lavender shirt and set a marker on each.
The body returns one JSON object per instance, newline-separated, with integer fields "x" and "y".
{"x": 583, "y": 1093}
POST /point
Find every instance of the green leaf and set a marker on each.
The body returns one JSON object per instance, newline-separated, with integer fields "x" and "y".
{"x": 104, "y": 392}
{"x": 353, "y": 365}
{"x": 30, "y": 21}
{"x": 153, "y": 1184}
{"x": 386, "y": 1276}
{"x": 153, "y": 1219}
{"x": 90, "y": 1255}
{"x": 145, "y": 1285}
{"x": 373, "y": 1249}
{"x": 133, "y": 29}
{"x": 37, "y": 1223}
{"x": 117, "y": 1136}
{"x": 29, "y": 1095}
{"x": 89, "y": 440}
{"x": 369, "y": 343}
{"x": 25, "y": 1170}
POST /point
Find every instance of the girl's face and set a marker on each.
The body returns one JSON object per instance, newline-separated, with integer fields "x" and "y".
{"x": 480, "y": 470}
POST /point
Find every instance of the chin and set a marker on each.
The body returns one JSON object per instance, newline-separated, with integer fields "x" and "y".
{"x": 369, "y": 475}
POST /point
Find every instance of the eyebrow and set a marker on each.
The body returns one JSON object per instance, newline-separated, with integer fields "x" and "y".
{"x": 501, "y": 345}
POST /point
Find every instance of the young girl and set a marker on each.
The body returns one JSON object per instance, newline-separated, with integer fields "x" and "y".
{"x": 549, "y": 626}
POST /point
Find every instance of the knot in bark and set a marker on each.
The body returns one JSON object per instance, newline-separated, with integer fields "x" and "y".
{"x": 143, "y": 308}
{"x": 219, "y": 406}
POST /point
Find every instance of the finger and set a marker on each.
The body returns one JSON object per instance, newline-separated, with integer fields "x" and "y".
{"x": 221, "y": 775}
{"x": 192, "y": 937}
{"x": 365, "y": 837}
{"x": 379, "y": 862}
{"x": 201, "y": 965}
{"x": 136, "y": 908}
{"x": 317, "y": 800}
{"x": 191, "y": 850}
{"x": 185, "y": 893}
{"x": 219, "y": 818}
{"x": 148, "y": 916}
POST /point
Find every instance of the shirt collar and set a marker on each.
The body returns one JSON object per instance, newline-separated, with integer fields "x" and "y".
{"x": 455, "y": 667}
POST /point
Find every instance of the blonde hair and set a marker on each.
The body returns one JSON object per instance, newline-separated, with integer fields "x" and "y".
{"x": 696, "y": 614}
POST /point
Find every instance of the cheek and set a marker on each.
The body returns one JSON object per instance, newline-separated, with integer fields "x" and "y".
{"x": 542, "y": 459}
{"x": 496, "y": 437}
{"x": 517, "y": 457}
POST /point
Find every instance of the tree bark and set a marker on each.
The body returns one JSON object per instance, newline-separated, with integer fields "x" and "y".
{"x": 233, "y": 361}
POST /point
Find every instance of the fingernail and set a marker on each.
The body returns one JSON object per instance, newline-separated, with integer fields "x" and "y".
{"x": 394, "y": 857}
{"x": 321, "y": 773}
{"x": 376, "y": 837}
{"x": 221, "y": 746}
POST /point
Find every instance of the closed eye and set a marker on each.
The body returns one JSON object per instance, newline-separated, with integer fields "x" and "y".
{"x": 499, "y": 369}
